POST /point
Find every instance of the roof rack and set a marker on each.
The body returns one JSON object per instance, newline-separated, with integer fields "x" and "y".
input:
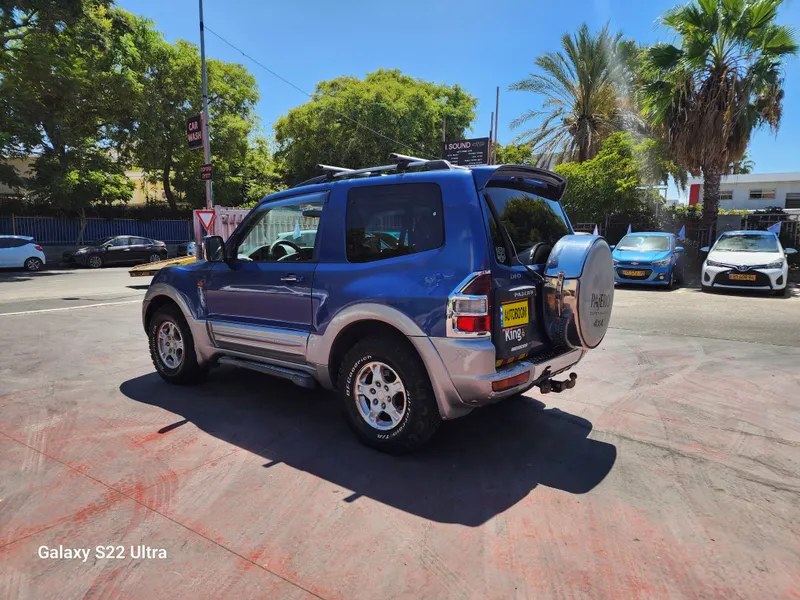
{"x": 401, "y": 162}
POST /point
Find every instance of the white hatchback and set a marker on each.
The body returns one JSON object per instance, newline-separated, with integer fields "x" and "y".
{"x": 747, "y": 260}
{"x": 20, "y": 251}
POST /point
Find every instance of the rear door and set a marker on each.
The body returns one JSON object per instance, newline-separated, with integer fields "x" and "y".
{"x": 259, "y": 300}
{"x": 141, "y": 249}
{"x": 525, "y": 220}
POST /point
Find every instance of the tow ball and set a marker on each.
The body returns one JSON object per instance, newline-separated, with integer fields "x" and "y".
{"x": 551, "y": 385}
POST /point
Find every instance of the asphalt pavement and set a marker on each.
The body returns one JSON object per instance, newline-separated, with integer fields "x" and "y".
{"x": 672, "y": 470}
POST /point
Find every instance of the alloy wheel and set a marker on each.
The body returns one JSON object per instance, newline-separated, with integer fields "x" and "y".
{"x": 380, "y": 396}
{"x": 170, "y": 345}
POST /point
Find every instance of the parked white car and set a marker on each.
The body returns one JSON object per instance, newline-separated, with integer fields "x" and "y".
{"x": 20, "y": 251}
{"x": 747, "y": 260}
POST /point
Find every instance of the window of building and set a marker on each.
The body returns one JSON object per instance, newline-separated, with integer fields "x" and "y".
{"x": 385, "y": 221}
{"x": 793, "y": 200}
{"x": 762, "y": 194}
{"x": 726, "y": 194}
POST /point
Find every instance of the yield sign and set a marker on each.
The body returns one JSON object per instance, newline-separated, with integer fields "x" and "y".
{"x": 206, "y": 218}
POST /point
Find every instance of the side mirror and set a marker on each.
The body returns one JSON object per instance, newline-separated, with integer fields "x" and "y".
{"x": 678, "y": 249}
{"x": 789, "y": 251}
{"x": 612, "y": 246}
{"x": 212, "y": 248}
{"x": 705, "y": 249}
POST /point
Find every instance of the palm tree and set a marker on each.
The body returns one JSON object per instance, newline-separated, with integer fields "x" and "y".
{"x": 720, "y": 83}
{"x": 581, "y": 100}
{"x": 742, "y": 166}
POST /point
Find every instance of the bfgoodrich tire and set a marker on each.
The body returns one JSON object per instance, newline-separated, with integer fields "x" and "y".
{"x": 387, "y": 396}
{"x": 172, "y": 347}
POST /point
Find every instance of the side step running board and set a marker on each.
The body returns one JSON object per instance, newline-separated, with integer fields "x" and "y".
{"x": 297, "y": 377}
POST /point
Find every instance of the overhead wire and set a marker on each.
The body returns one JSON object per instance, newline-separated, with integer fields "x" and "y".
{"x": 302, "y": 91}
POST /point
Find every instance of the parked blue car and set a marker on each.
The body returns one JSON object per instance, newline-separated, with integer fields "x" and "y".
{"x": 418, "y": 290}
{"x": 649, "y": 258}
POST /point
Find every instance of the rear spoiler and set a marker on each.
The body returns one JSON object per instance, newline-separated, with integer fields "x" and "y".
{"x": 540, "y": 181}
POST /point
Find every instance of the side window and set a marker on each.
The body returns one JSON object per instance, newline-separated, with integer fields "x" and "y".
{"x": 139, "y": 241}
{"x": 385, "y": 221}
{"x": 120, "y": 241}
{"x": 5, "y": 243}
{"x": 284, "y": 233}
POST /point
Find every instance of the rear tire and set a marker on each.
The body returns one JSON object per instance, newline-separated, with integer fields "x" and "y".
{"x": 33, "y": 264}
{"x": 415, "y": 408}
{"x": 155, "y": 257}
{"x": 172, "y": 347}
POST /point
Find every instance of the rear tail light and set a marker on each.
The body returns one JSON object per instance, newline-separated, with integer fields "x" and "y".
{"x": 469, "y": 307}
{"x": 39, "y": 248}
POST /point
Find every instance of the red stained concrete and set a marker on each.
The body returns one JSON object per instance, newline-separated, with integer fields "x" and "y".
{"x": 671, "y": 471}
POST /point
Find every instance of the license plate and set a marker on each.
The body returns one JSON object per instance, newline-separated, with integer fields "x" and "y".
{"x": 742, "y": 276}
{"x": 514, "y": 314}
{"x": 633, "y": 273}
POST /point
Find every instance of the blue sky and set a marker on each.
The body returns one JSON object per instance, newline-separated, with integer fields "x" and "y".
{"x": 477, "y": 44}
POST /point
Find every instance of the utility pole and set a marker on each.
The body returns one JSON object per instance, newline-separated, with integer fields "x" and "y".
{"x": 206, "y": 139}
{"x": 496, "y": 124}
{"x": 491, "y": 129}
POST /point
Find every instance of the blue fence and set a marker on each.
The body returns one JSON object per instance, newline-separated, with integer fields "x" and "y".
{"x": 57, "y": 232}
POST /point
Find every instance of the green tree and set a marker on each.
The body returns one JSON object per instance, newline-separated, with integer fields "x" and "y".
{"x": 721, "y": 82}
{"x": 743, "y": 166}
{"x": 171, "y": 93}
{"x": 581, "y": 100}
{"x": 609, "y": 184}
{"x": 354, "y": 123}
{"x": 67, "y": 99}
{"x": 20, "y": 18}
{"x": 515, "y": 154}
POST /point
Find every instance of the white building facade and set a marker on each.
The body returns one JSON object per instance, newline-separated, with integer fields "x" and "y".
{"x": 752, "y": 192}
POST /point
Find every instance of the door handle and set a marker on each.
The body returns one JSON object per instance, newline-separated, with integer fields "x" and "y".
{"x": 127, "y": 249}
{"x": 291, "y": 278}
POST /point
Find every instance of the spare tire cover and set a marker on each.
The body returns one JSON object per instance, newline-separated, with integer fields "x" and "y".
{"x": 579, "y": 291}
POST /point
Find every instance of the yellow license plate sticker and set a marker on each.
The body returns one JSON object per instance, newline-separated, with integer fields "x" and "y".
{"x": 514, "y": 314}
{"x": 633, "y": 273}
{"x": 743, "y": 276}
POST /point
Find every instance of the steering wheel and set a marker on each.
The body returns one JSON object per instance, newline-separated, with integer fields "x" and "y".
{"x": 296, "y": 249}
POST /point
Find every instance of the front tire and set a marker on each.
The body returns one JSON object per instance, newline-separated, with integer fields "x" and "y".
{"x": 94, "y": 262}
{"x": 782, "y": 292}
{"x": 172, "y": 347}
{"x": 707, "y": 289}
{"x": 387, "y": 396}
{"x": 33, "y": 264}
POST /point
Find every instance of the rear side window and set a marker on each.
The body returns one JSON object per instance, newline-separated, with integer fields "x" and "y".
{"x": 385, "y": 221}
{"x": 13, "y": 243}
{"x": 533, "y": 222}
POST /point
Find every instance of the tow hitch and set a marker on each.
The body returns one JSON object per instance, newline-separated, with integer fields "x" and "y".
{"x": 551, "y": 385}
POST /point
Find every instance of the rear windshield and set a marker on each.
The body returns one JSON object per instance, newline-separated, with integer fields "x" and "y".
{"x": 644, "y": 243}
{"x": 747, "y": 243}
{"x": 529, "y": 219}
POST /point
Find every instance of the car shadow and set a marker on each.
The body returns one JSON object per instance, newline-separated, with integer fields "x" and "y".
{"x": 23, "y": 274}
{"x": 473, "y": 469}
{"x": 794, "y": 292}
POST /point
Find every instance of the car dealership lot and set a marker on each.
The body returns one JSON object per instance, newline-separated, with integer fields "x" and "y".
{"x": 671, "y": 470}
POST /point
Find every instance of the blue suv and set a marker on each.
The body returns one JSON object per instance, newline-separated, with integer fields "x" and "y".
{"x": 417, "y": 290}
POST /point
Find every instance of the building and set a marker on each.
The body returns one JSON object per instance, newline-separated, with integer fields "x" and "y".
{"x": 143, "y": 191}
{"x": 753, "y": 191}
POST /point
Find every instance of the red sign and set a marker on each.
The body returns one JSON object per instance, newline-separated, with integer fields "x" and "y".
{"x": 206, "y": 218}
{"x": 206, "y": 172}
{"x": 194, "y": 132}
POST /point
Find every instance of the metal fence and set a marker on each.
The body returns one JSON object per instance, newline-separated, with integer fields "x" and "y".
{"x": 51, "y": 231}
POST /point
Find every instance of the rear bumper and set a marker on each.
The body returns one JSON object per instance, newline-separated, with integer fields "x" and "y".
{"x": 462, "y": 372}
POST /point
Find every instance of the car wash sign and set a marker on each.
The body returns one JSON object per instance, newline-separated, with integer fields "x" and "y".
{"x": 194, "y": 132}
{"x": 467, "y": 152}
